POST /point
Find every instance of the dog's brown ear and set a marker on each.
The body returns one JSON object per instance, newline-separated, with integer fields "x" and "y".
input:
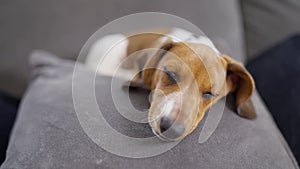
{"x": 240, "y": 82}
{"x": 152, "y": 63}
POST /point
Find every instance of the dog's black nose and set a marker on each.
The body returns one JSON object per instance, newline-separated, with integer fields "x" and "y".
{"x": 170, "y": 129}
{"x": 165, "y": 124}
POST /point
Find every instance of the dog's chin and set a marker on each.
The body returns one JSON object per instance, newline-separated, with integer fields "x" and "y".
{"x": 162, "y": 137}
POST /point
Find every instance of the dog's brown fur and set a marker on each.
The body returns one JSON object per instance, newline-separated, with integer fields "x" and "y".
{"x": 200, "y": 70}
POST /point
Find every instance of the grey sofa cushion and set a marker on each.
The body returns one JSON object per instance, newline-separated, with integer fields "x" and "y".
{"x": 269, "y": 22}
{"x": 48, "y": 134}
{"x": 63, "y": 26}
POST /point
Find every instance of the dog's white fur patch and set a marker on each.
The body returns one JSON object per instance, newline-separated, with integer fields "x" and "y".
{"x": 168, "y": 107}
{"x": 168, "y": 104}
{"x": 109, "y": 51}
{"x": 181, "y": 35}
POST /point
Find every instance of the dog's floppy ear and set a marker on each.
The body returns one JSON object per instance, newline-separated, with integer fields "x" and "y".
{"x": 240, "y": 82}
{"x": 152, "y": 63}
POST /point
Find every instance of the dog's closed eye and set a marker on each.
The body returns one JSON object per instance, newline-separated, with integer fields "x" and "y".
{"x": 208, "y": 95}
{"x": 172, "y": 76}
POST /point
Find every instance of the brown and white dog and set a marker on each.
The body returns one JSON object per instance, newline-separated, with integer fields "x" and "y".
{"x": 186, "y": 74}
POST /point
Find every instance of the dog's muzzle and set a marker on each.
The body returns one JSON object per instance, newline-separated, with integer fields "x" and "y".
{"x": 170, "y": 129}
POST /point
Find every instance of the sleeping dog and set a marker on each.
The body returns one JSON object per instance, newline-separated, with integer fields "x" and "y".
{"x": 186, "y": 74}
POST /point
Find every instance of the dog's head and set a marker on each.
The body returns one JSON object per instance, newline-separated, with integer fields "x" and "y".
{"x": 185, "y": 80}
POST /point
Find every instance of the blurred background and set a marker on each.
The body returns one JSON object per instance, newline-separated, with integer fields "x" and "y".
{"x": 262, "y": 34}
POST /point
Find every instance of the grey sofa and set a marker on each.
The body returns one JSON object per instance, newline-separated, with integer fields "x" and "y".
{"x": 59, "y": 127}
{"x": 47, "y": 133}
